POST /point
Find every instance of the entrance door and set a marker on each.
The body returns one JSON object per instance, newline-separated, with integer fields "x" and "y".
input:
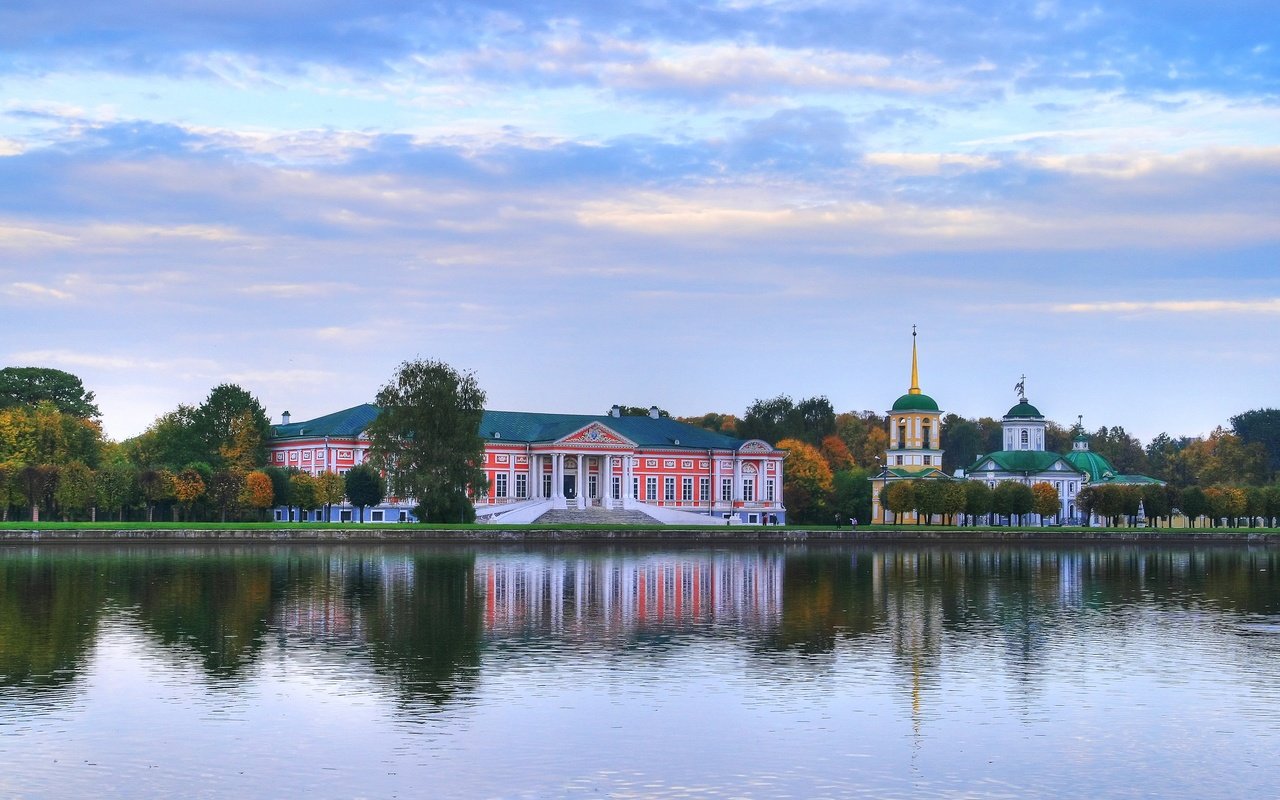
{"x": 571, "y": 487}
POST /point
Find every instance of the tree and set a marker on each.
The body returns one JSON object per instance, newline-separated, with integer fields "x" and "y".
{"x": 641, "y": 411}
{"x": 156, "y": 485}
{"x": 1194, "y": 504}
{"x": 7, "y": 475}
{"x": 713, "y": 421}
{"x": 898, "y": 498}
{"x": 1122, "y": 450}
{"x": 954, "y": 497}
{"x": 851, "y": 493}
{"x": 364, "y": 487}
{"x": 225, "y": 488}
{"x": 836, "y": 453}
{"x": 330, "y": 489}
{"x": 1227, "y": 502}
{"x": 1155, "y": 502}
{"x": 30, "y": 386}
{"x": 258, "y": 492}
{"x": 977, "y": 499}
{"x": 426, "y": 439}
{"x": 302, "y": 490}
{"x": 171, "y": 441}
{"x": 1044, "y": 500}
{"x": 233, "y": 428}
{"x": 36, "y": 482}
{"x": 41, "y": 434}
{"x": 188, "y": 486}
{"x": 930, "y": 499}
{"x": 76, "y": 488}
{"x": 1012, "y": 498}
{"x": 769, "y": 420}
{"x": 962, "y": 439}
{"x": 1261, "y": 427}
{"x": 280, "y": 484}
{"x": 116, "y": 483}
{"x": 807, "y": 482}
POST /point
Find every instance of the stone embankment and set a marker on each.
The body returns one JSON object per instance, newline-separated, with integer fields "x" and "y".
{"x": 738, "y": 534}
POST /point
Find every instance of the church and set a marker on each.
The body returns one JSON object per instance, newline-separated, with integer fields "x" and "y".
{"x": 914, "y": 453}
{"x": 571, "y": 468}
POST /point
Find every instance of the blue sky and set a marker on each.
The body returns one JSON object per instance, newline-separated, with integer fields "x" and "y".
{"x": 688, "y": 204}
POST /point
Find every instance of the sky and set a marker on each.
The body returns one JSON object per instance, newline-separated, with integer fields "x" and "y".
{"x": 687, "y": 204}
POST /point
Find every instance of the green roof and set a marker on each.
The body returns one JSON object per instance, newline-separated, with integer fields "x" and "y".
{"x": 930, "y": 473}
{"x": 1095, "y": 465}
{"x": 528, "y": 427}
{"x": 1024, "y": 410}
{"x": 915, "y": 402}
{"x": 1020, "y": 461}
{"x": 348, "y": 422}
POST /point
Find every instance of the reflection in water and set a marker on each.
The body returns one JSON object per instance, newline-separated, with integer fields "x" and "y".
{"x": 936, "y": 640}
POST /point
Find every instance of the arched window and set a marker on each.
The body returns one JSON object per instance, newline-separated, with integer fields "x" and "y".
{"x": 928, "y": 440}
{"x": 1025, "y": 438}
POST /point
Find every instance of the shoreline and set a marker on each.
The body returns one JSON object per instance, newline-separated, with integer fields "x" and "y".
{"x": 711, "y": 535}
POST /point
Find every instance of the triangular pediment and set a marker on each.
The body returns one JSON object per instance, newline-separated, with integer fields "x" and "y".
{"x": 597, "y": 435}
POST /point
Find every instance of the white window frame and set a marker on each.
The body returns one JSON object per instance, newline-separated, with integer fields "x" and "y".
{"x": 651, "y": 488}
{"x": 669, "y": 489}
{"x": 522, "y": 485}
{"x": 686, "y": 489}
{"x": 500, "y": 485}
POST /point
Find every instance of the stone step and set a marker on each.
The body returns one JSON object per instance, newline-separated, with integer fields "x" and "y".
{"x": 594, "y": 516}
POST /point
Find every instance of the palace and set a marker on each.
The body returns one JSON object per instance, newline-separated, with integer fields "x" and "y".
{"x": 609, "y": 467}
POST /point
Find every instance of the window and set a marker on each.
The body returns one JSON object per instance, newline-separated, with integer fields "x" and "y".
{"x": 726, "y": 489}
{"x": 768, "y": 490}
{"x": 650, "y": 488}
{"x": 898, "y": 460}
{"x": 668, "y": 489}
{"x": 344, "y": 515}
{"x": 404, "y": 516}
{"x": 686, "y": 489}
{"x": 928, "y": 460}
{"x": 749, "y": 489}
{"x": 902, "y": 436}
{"x": 704, "y": 489}
{"x": 375, "y": 516}
{"x": 546, "y": 484}
{"x": 522, "y": 485}
{"x": 635, "y": 488}
{"x": 500, "y": 485}
{"x": 928, "y": 442}
{"x": 593, "y": 482}
{"x": 279, "y": 515}
{"x": 617, "y": 488}
{"x": 1024, "y": 439}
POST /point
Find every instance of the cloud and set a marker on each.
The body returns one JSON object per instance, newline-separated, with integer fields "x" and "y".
{"x": 35, "y": 291}
{"x": 1259, "y": 306}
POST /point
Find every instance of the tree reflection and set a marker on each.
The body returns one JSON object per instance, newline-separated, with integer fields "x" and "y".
{"x": 49, "y": 610}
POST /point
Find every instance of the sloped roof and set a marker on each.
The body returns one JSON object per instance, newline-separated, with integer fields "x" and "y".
{"x": 530, "y": 427}
{"x": 1022, "y": 461}
{"x": 1095, "y": 465}
{"x": 348, "y": 422}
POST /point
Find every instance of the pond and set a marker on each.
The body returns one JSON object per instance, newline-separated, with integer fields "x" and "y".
{"x": 880, "y": 671}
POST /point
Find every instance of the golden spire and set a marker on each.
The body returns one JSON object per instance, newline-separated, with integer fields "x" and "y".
{"x": 915, "y": 371}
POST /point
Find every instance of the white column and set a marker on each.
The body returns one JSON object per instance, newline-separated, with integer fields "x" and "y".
{"x": 580, "y": 481}
{"x": 606, "y": 480}
{"x": 737, "y": 478}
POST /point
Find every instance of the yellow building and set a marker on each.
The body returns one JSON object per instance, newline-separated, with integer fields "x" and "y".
{"x": 915, "y": 443}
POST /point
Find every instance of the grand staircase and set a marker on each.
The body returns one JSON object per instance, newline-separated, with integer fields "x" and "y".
{"x": 595, "y": 516}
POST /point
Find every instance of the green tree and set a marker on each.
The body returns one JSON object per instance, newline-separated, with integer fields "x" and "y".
{"x": 116, "y": 484}
{"x": 171, "y": 441}
{"x": 898, "y": 498}
{"x": 977, "y": 499}
{"x": 1194, "y": 504}
{"x": 302, "y": 490}
{"x": 1155, "y": 502}
{"x": 1012, "y": 499}
{"x": 76, "y": 488}
{"x": 8, "y": 476}
{"x": 1261, "y": 427}
{"x": 30, "y": 386}
{"x": 930, "y": 499}
{"x": 156, "y": 486}
{"x": 280, "y": 484}
{"x": 426, "y": 439}
{"x": 851, "y": 493}
{"x": 963, "y": 440}
{"x": 365, "y": 487}
{"x": 37, "y": 482}
{"x": 233, "y": 428}
{"x": 954, "y": 498}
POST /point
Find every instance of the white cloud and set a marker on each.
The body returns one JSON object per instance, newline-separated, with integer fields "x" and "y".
{"x": 1259, "y": 306}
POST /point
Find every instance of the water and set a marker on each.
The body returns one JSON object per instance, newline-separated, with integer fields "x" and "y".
{"x": 879, "y": 671}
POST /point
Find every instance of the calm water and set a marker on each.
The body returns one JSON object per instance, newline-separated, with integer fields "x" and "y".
{"x": 772, "y": 672}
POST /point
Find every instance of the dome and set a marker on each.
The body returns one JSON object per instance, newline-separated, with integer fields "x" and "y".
{"x": 915, "y": 402}
{"x": 1024, "y": 410}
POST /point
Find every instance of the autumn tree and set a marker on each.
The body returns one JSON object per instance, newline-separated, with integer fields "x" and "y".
{"x": 188, "y": 486}
{"x": 233, "y": 428}
{"x": 1044, "y": 501}
{"x": 1226, "y": 502}
{"x": 330, "y": 489}
{"x": 156, "y": 486}
{"x": 115, "y": 485}
{"x": 426, "y": 439}
{"x": 364, "y": 486}
{"x": 258, "y": 492}
{"x": 836, "y": 453}
{"x": 807, "y": 482}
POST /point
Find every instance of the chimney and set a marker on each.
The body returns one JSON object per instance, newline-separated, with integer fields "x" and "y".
{"x": 616, "y": 411}
{"x": 284, "y": 418}
{"x": 653, "y": 412}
